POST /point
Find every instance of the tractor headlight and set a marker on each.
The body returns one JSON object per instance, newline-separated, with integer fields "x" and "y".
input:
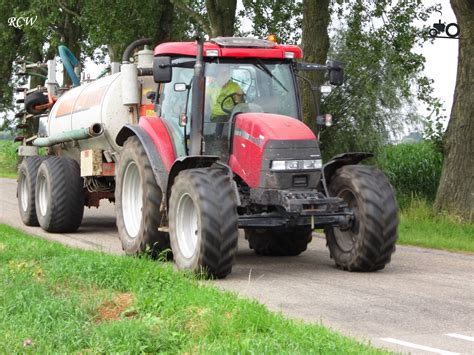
{"x": 311, "y": 164}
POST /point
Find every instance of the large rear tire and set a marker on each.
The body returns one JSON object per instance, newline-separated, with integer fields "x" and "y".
{"x": 59, "y": 197}
{"x": 203, "y": 222}
{"x": 138, "y": 201}
{"x": 370, "y": 242}
{"x": 289, "y": 241}
{"x": 26, "y": 189}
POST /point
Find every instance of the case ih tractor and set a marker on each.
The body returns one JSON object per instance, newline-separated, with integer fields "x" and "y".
{"x": 188, "y": 164}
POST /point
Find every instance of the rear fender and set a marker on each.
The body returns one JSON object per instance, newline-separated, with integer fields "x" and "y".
{"x": 159, "y": 170}
{"x": 338, "y": 161}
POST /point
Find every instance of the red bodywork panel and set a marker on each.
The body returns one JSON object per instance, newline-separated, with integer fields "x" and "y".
{"x": 156, "y": 129}
{"x": 190, "y": 48}
{"x": 252, "y": 132}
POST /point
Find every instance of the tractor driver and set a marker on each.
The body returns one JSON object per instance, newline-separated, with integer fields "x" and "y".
{"x": 222, "y": 91}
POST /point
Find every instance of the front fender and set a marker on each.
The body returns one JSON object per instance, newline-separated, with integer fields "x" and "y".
{"x": 340, "y": 160}
{"x": 188, "y": 162}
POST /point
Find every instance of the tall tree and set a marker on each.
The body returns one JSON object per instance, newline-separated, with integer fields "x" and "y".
{"x": 383, "y": 74}
{"x": 315, "y": 38}
{"x": 456, "y": 189}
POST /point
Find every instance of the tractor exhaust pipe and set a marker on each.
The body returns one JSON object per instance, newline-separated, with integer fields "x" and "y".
{"x": 197, "y": 110}
{"x": 128, "y": 51}
{"x": 94, "y": 130}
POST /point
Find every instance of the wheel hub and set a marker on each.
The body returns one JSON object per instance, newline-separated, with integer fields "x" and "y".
{"x": 346, "y": 238}
{"x": 132, "y": 199}
{"x": 43, "y": 194}
{"x": 24, "y": 195}
{"x": 187, "y": 226}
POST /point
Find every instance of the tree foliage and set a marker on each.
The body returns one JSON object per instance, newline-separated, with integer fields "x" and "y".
{"x": 384, "y": 75}
{"x": 280, "y": 17}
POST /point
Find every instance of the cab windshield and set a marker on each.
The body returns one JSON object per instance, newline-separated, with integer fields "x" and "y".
{"x": 247, "y": 86}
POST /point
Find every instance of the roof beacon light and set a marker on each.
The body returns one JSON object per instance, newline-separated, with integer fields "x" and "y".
{"x": 272, "y": 38}
{"x": 212, "y": 53}
{"x": 290, "y": 55}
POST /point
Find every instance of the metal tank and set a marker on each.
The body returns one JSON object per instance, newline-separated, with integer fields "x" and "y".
{"x": 93, "y": 113}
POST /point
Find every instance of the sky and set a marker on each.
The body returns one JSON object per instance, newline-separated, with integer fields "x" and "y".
{"x": 442, "y": 58}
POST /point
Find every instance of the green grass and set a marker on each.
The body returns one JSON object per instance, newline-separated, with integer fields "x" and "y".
{"x": 8, "y": 159}
{"x": 65, "y": 300}
{"x": 420, "y": 226}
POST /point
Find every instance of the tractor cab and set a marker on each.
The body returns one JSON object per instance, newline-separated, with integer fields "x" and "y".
{"x": 231, "y": 87}
{"x": 255, "y": 77}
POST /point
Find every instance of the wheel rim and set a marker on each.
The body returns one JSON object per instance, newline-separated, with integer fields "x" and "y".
{"x": 42, "y": 194}
{"x": 132, "y": 199}
{"x": 24, "y": 193}
{"x": 347, "y": 239}
{"x": 187, "y": 226}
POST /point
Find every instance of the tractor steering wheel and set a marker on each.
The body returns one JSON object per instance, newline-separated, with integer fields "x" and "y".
{"x": 231, "y": 96}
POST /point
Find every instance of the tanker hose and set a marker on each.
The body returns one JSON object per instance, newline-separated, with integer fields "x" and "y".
{"x": 69, "y": 61}
{"x": 128, "y": 51}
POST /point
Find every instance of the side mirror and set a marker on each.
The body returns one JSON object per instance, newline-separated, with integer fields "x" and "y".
{"x": 336, "y": 72}
{"x": 162, "y": 70}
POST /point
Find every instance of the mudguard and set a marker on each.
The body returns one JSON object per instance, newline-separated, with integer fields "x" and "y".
{"x": 159, "y": 169}
{"x": 188, "y": 162}
{"x": 340, "y": 160}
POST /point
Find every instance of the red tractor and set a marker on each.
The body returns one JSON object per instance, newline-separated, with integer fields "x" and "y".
{"x": 217, "y": 146}
{"x": 201, "y": 178}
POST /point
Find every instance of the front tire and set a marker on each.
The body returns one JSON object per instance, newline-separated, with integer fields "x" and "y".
{"x": 138, "y": 201}
{"x": 369, "y": 243}
{"x": 289, "y": 241}
{"x": 203, "y": 222}
{"x": 59, "y": 197}
{"x": 26, "y": 189}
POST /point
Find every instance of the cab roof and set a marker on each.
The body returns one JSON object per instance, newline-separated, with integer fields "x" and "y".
{"x": 232, "y": 47}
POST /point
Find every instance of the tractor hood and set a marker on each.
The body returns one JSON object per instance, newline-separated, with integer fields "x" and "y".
{"x": 266, "y": 126}
{"x": 260, "y": 137}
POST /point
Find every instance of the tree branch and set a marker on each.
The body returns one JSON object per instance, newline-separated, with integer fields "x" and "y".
{"x": 69, "y": 11}
{"x": 201, "y": 20}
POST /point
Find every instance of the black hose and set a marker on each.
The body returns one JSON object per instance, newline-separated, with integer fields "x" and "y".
{"x": 132, "y": 46}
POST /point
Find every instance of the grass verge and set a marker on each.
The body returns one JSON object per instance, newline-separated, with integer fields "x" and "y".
{"x": 8, "y": 159}
{"x": 56, "y": 299}
{"x": 420, "y": 226}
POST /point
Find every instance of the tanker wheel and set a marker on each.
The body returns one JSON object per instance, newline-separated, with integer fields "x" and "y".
{"x": 27, "y": 172}
{"x": 34, "y": 99}
{"x": 59, "y": 195}
{"x": 289, "y": 241}
{"x": 203, "y": 222}
{"x": 138, "y": 201}
{"x": 369, "y": 243}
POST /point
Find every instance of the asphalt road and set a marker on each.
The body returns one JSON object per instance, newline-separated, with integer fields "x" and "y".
{"x": 422, "y": 303}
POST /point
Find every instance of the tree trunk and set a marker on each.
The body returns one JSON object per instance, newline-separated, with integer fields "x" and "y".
{"x": 456, "y": 189}
{"x": 36, "y": 56}
{"x": 221, "y": 17}
{"x": 315, "y": 41}
{"x": 164, "y": 31}
{"x": 72, "y": 37}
